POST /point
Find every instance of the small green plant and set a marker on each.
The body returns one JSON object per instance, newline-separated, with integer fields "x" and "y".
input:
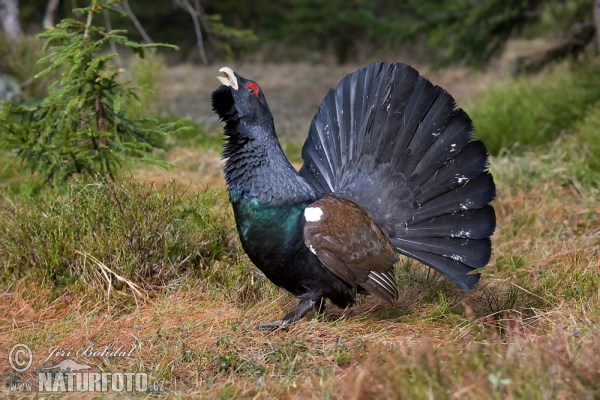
{"x": 442, "y": 310}
{"x": 82, "y": 127}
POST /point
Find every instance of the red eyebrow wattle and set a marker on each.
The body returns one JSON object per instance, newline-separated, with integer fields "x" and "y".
{"x": 253, "y": 86}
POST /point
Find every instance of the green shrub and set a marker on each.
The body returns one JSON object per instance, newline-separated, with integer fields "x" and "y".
{"x": 529, "y": 112}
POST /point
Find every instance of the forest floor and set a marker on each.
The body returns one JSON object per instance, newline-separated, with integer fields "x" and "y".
{"x": 529, "y": 330}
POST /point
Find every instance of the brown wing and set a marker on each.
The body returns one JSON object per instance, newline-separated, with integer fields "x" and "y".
{"x": 349, "y": 243}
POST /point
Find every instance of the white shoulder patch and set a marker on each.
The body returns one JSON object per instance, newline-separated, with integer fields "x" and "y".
{"x": 313, "y": 214}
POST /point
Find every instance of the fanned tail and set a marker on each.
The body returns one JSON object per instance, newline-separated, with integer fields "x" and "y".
{"x": 396, "y": 144}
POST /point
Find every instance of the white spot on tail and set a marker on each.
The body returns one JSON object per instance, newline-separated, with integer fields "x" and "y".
{"x": 466, "y": 205}
{"x": 312, "y": 249}
{"x": 461, "y": 178}
{"x": 313, "y": 214}
{"x": 461, "y": 234}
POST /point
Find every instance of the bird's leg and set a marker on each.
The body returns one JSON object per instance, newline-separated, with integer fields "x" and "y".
{"x": 305, "y": 304}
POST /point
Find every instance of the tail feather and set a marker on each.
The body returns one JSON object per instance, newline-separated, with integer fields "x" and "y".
{"x": 320, "y": 168}
{"x": 473, "y": 195}
{"x": 396, "y": 144}
{"x": 360, "y": 107}
{"x": 456, "y": 136}
{"x": 467, "y": 224}
{"x": 417, "y": 96}
{"x": 467, "y": 165}
{"x": 456, "y": 271}
{"x": 427, "y": 141}
{"x": 323, "y": 150}
{"x": 473, "y": 253}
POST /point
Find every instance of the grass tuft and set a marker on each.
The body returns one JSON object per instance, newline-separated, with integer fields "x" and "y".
{"x": 104, "y": 235}
{"x": 527, "y": 112}
{"x": 562, "y": 366}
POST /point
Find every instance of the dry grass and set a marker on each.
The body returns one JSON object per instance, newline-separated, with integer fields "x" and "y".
{"x": 194, "y": 167}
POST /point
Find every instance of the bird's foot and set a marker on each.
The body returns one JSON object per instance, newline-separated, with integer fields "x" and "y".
{"x": 305, "y": 304}
{"x": 272, "y": 326}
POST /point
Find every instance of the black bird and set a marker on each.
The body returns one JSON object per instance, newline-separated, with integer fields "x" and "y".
{"x": 390, "y": 166}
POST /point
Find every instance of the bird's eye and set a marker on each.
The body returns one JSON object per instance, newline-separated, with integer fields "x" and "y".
{"x": 253, "y": 88}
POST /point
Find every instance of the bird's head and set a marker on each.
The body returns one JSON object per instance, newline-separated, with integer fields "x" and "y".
{"x": 256, "y": 165}
{"x": 240, "y": 99}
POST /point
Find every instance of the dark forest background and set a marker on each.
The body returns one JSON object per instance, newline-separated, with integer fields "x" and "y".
{"x": 440, "y": 31}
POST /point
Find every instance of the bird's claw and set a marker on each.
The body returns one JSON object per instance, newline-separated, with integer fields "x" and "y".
{"x": 272, "y": 326}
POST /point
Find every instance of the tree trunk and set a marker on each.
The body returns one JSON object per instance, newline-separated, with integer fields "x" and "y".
{"x": 196, "y": 15}
{"x": 9, "y": 18}
{"x": 597, "y": 23}
{"x": 50, "y": 13}
{"x": 136, "y": 22}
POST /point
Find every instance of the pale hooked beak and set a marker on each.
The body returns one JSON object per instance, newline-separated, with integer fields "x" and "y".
{"x": 229, "y": 78}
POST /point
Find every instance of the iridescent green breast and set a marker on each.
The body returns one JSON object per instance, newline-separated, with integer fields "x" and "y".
{"x": 265, "y": 229}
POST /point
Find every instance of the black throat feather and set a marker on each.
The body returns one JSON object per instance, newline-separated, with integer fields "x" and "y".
{"x": 224, "y": 105}
{"x": 256, "y": 167}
